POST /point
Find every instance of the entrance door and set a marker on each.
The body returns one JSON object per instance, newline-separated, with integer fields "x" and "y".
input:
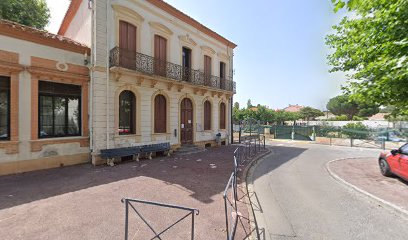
{"x": 186, "y": 121}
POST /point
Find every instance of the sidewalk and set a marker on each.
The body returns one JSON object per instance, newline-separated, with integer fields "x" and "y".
{"x": 364, "y": 174}
{"x": 83, "y": 202}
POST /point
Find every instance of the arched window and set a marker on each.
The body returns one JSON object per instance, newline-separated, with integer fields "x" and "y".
{"x": 222, "y": 115}
{"x": 127, "y": 113}
{"x": 160, "y": 112}
{"x": 207, "y": 115}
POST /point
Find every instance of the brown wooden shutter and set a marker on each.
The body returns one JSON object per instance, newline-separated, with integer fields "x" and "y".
{"x": 207, "y": 70}
{"x": 207, "y": 115}
{"x": 160, "y": 120}
{"x": 222, "y": 116}
{"x": 127, "y": 44}
{"x": 160, "y": 55}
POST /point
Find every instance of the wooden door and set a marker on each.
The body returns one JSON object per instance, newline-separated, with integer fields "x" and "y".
{"x": 127, "y": 45}
{"x": 186, "y": 121}
{"x": 160, "y": 55}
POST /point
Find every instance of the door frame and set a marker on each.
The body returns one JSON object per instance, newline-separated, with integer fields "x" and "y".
{"x": 179, "y": 117}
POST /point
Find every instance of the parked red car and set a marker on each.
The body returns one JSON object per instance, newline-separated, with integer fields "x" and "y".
{"x": 395, "y": 162}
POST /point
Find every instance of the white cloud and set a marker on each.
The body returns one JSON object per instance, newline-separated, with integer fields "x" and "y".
{"x": 58, "y": 8}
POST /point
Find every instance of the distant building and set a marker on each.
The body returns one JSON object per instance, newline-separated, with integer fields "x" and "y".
{"x": 293, "y": 108}
{"x": 378, "y": 117}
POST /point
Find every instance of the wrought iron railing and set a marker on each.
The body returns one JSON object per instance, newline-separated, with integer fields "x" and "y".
{"x": 152, "y": 66}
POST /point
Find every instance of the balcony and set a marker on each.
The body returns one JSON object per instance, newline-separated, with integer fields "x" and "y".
{"x": 155, "y": 67}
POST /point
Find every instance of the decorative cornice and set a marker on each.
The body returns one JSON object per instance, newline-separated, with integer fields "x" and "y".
{"x": 223, "y": 56}
{"x": 207, "y": 49}
{"x": 127, "y": 12}
{"x": 160, "y": 27}
{"x": 186, "y": 39}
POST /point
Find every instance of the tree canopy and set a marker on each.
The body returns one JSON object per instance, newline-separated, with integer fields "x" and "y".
{"x": 344, "y": 105}
{"x": 309, "y": 113}
{"x": 372, "y": 46}
{"x": 34, "y": 13}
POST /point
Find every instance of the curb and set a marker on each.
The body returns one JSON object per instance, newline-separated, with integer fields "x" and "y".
{"x": 388, "y": 205}
{"x": 247, "y": 180}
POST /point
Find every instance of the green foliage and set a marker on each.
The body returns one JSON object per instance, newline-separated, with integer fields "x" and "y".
{"x": 236, "y": 105}
{"x": 309, "y": 113}
{"x": 357, "y": 118}
{"x": 328, "y": 131}
{"x": 34, "y": 13}
{"x": 355, "y": 130}
{"x": 339, "y": 118}
{"x": 341, "y": 105}
{"x": 344, "y": 105}
{"x": 372, "y": 47}
{"x": 249, "y": 103}
{"x": 264, "y": 115}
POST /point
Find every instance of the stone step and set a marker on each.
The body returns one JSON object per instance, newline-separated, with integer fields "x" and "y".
{"x": 189, "y": 149}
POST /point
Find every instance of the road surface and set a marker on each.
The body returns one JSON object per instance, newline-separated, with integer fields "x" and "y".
{"x": 298, "y": 199}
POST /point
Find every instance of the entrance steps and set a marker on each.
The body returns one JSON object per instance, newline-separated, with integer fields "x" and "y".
{"x": 188, "y": 149}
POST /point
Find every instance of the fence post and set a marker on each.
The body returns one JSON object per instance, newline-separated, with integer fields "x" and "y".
{"x": 126, "y": 218}
{"x": 192, "y": 225}
{"x": 383, "y": 144}
{"x": 351, "y": 142}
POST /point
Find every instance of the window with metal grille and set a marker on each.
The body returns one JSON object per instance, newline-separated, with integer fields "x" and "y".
{"x": 59, "y": 109}
{"x": 4, "y": 108}
{"x": 127, "y": 113}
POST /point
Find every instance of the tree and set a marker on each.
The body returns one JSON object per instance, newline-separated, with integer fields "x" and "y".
{"x": 372, "y": 46}
{"x": 344, "y": 105}
{"x": 249, "y": 104}
{"x": 34, "y": 13}
{"x": 309, "y": 113}
{"x": 236, "y": 105}
{"x": 341, "y": 105}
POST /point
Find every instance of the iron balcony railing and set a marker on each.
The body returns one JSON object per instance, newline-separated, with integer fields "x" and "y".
{"x": 120, "y": 57}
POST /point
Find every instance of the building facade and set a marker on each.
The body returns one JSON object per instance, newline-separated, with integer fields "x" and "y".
{"x": 157, "y": 75}
{"x": 119, "y": 73}
{"x": 43, "y": 100}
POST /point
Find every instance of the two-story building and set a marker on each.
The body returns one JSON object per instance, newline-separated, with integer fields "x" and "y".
{"x": 157, "y": 75}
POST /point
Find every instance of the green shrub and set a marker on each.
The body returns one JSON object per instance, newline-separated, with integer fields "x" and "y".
{"x": 339, "y": 118}
{"x": 355, "y": 130}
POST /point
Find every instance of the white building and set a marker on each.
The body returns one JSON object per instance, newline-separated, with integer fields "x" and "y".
{"x": 169, "y": 77}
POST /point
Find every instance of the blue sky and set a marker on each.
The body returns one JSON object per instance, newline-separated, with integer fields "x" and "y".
{"x": 281, "y": 55}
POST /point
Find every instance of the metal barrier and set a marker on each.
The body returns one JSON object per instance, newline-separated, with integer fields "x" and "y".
{"x": 128, "y": 203}
{"x": 241, "y": 154}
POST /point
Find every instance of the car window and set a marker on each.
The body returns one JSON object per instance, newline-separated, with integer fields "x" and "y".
{"x": 404, "y": 149}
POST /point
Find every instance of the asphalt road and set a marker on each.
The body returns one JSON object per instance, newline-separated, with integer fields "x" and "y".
{"x": 298, "y": 199}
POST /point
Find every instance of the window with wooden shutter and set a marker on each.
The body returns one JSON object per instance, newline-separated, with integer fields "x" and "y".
{"x": 207, "y": 70}
{"x": 160, "y": 55}
{"x": 160, "y": 112}
{"x": 127, "y": 44}
{"x": 222, "y": 116}
{"x": 207, "y": 115}
{"x": 222, "y": 75}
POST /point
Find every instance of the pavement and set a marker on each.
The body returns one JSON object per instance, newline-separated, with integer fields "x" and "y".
{"x": 299, "y": 199}
{"x": 84, "y": 202}
{"x": 364, "y": 174}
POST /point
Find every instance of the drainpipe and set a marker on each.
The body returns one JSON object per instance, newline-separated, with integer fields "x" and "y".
{"x": 91, "y": 73}
{"x": 107, "y": 73}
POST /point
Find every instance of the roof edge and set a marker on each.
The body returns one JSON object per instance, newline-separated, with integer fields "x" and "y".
{"x": 69, "y": 16}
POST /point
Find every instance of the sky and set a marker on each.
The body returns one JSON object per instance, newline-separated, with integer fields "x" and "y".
{"x": 281, "y": 53}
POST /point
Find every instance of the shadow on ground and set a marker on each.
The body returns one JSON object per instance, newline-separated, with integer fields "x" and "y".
{"x": 204, "y": 174}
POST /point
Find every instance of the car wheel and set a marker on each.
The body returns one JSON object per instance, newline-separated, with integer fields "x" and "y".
{"x": 385, "y": 168}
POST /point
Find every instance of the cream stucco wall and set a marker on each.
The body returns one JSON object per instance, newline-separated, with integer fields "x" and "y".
{"x": 80, "y": 27}
{"x": 149, "y": 21}
{"x": 26, "y": 50}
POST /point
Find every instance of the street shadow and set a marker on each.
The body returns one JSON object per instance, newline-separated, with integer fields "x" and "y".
{"x": 203, "y": 174}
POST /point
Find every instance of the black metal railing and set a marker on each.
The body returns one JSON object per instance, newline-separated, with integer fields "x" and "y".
{"x": 128, "y": 203}
{"x": 152, "y": 66}
{"x": 251, "y": 147}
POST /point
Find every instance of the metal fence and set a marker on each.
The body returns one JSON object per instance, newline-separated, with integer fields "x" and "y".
{"x": 157, "y": 234}
{"x": 251, "y": 147}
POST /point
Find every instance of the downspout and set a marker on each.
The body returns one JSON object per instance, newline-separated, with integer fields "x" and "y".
{"x": 232, "y": 96}
{"x": 107, "y": 74}
{"x": 92, "y": 69}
